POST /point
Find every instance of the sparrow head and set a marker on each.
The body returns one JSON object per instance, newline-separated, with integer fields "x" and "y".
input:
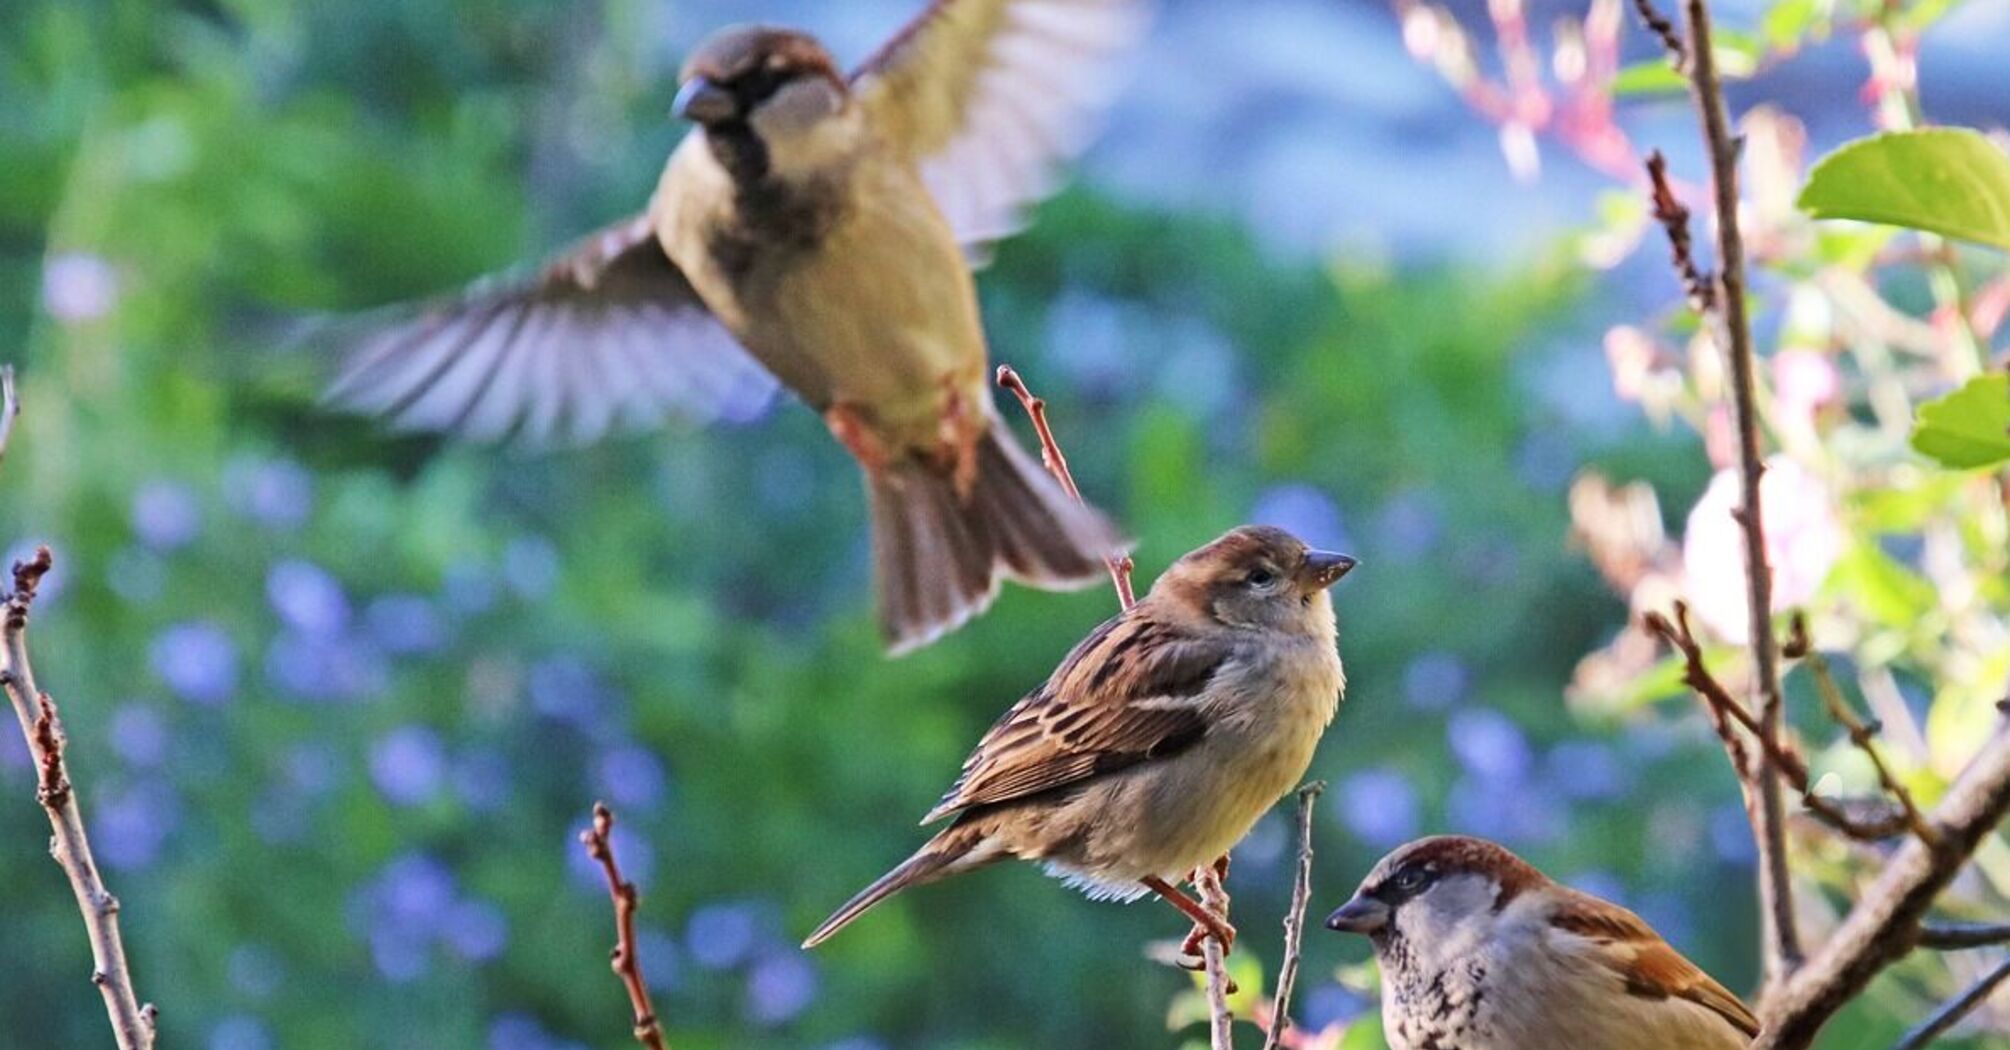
{"x": 1258, "y": 576}
{"x": 1443, "y": 891}
{"x": 763, "y": 81}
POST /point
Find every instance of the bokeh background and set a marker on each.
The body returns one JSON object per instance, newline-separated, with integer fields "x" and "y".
{"x": 340, "y": 701}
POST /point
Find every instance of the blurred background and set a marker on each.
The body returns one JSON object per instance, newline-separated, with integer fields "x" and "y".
{"x": 340, "y": 701}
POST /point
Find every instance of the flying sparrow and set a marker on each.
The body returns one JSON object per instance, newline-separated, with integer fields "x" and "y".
{"x": 1160, "y": 739}
{"x": 813, "y": 229}
{"x": 1480, "y": 951}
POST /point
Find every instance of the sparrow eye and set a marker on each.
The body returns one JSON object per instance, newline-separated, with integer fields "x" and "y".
{"x": 1411, "y": 880}
{"x": 1260, "y": 578}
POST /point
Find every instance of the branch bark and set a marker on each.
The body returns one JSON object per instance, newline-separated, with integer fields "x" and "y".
{"x": 1956, "y": 937}
{"x": 1952, "y": 1011}
{"x": 1221, "y": 1020}
{"x": 1120, "y": 565}
{"x": 1294, "y": 920}
{"x": 599, "y": 842}
{"x": 132, "y": 1023}
{"x": 1884, "y": 924}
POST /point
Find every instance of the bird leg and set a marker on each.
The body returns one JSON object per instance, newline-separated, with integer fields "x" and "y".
{"x": 852, "y": 427}
{"x": 1206, "y": 923}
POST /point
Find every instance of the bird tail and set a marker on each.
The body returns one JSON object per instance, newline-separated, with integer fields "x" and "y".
{"x": 958, "y": 848}
{"x": 939, "y": 550}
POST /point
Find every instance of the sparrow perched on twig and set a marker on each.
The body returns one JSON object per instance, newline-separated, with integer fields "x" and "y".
{"x": 813, "y": 229}
{"x": 1159, "y": 740}
{"x": 1480, "y": 951}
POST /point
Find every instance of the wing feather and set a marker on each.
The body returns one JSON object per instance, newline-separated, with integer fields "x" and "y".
{"x": 1650, "y": 967}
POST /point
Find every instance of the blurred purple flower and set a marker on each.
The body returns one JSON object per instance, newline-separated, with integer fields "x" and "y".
{"x": 779, "y": 987}
{"x": 1195, "y": 368}
{"x": 1265, "y": 843}
{"x": 1600, "y": 883}
{"x": 240, "y": 1032}
{"x": 166, "y": 515}
{"x": 1304, "y": 511}
{"x": 630, "y": 775}
{"x": 530, "y": 566}
{"x": 856, "y": 1042}
{"x": 134, "y": 823}
{"x": 1092, "y": 327}
{"x": 281, "y": 817}
{"x": 476, "y": 930}
{"x": 325, "y": 669}
{"x": 1329, "y": 1004}
{"x": 276, "y": 493}
{"x": 408, "y": 765}
{"x": 1668, "y": 913}
{"x": 1731, "y": 835}
{"x": 661, "y": 959}
{"x": 1545, "y": 461}
{"x": 13, "y": 751}
{"x": 720, "y": 935}
{"x": 139, "y": 734}
{"x": 566, "y": 689}
{"x": 481, "y": 779}
{"x": 255, "y": 970}
{"x": 514, "y": 1031}
{"x": 468, "y": 588}
{"x": 1489, "y": 745}
{"x": 1408, "y": 526}
{"x": 78, "y": 287}
{"x": 1505, "y": 811}
{"x": 197, "y": 660}
{"x": 400, "y": 953}
{"x": 414, "y": 891}
{"x": 307, "y": 598}
{"x": 1435, "y": 680}
{"x": 405, "y": 624}
{"x": 1588, "y": 771}
{"x": 1379, "y": 807}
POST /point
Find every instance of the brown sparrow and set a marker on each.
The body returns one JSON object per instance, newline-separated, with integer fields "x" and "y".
{"x": 1159, "y": 740}
{"x": 1480, "y": 951}
{"x": 813, "y": 229}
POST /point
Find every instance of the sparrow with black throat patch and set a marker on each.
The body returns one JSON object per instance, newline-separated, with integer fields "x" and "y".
{"x": 1159, "y": 740}
{"x": 1480, "y": 951}
{"x": 813, "y": 229}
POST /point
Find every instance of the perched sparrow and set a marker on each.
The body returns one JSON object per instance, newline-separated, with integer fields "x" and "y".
{"x": 1159, "y": 740}
{"x": 1480, "y": 951}
{"x": 818, "y": 222}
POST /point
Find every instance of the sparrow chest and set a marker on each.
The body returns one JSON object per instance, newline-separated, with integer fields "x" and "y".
{"x": 1438, "y": 1007}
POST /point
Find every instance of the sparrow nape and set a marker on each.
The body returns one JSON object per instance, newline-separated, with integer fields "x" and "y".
{"x": 1159, "y": 740}
{"x": 813, "y": 229}
{"x": 1480, "y": 951}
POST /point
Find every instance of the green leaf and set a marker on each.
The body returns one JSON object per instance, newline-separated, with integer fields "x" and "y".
{"x": 1787, "y": 21}
{"x": 1950, "y": 181}
{"x": 1651, "y": 77}
{"x": 1969, "y": 427}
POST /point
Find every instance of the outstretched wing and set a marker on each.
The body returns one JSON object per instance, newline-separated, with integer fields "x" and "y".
{"x": 990, "y": 98}
{"x": 607, "y": 336}
{"x": 1129, "y": 693}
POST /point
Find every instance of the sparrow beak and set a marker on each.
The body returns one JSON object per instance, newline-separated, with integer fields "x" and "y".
{"x": 1363, "y": 915}
{"x": 1324, "y": 568}
{"x": 704, "y": 102}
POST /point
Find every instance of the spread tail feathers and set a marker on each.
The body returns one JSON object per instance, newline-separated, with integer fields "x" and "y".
{"x": 958, "y": 848}
{"x": 938, "y": 554}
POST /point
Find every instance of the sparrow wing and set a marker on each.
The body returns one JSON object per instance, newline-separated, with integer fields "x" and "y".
{"x": 609, "y": 335}
{"x": 990, "y": 97}
{"x": 1649, "y": 966}
{"x": 1125, "y": 695}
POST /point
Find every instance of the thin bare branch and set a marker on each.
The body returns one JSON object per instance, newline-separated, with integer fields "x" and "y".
{"x": 1664, "y": 31}
{"x": 599, "y": 842}
{"x": 1673, "y": 216}
{"x": 1294, "y": 920}
{"x": 1221, "y": 1020}
{"x": 132, "y": 1023}
{"x": 1120, "y": 565}
{"x": 1727, "y": 317}
{"x": 1952, "y": 1011}
{"x": 1862, "y": 734}
{"x": 1884, "y": 924}
{"x": 1955, "y": 936}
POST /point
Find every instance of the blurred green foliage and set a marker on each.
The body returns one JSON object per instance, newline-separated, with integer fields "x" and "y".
{"x": 339, "y": 700}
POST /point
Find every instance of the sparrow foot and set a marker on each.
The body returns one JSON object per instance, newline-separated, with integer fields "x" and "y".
{"x": 1205, "y": 923}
